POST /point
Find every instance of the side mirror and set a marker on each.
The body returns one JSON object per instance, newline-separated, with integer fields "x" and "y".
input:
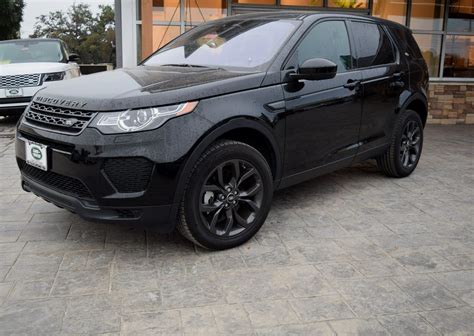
{"x": 315, "y": 69}
{"x": 74, "y": 58}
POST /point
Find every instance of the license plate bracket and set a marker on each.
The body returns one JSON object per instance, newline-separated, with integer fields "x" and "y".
{"x": 36, "y": 155}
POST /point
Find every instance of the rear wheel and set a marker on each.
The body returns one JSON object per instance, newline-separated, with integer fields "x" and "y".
{"x": 402, "y": 157}
{"x": 227, "y": 197}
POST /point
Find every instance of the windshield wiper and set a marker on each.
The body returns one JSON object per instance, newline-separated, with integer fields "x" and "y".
{"x": 185, "y": 65}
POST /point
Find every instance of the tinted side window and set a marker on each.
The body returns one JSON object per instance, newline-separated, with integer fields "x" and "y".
{"x": 327, "y": 40}
{"x": 373, "y": 45}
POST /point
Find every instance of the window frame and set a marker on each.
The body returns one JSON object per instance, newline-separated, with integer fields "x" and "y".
{"x": 307, "y": 31}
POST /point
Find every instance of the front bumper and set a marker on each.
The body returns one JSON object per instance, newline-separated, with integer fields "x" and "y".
{"x": 13, "y": 106}
{"x": 16, "y": 105}
{"x": 103, "y": 178}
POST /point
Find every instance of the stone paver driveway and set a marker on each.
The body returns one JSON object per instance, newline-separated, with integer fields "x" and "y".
{"x": 349, "y": 253}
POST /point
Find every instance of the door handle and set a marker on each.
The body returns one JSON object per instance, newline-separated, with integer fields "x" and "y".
{"x": 397, "y": 80}
{"x": 352, "y": 84}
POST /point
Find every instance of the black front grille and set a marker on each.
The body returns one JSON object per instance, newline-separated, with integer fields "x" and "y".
{"x": 57, "y": 118}
{"x": 128, "y": 174}
{"x": 64, "y": 184}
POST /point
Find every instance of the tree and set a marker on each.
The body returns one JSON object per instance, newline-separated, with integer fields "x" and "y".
{"x": 11, "y": 17}
{"x": 92, "y": 36}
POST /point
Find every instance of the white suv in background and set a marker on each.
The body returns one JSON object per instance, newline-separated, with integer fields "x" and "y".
{"x": 28, "y": 65}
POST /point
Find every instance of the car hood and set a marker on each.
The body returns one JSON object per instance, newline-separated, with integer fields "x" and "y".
{"x": 31, "y": 68}
{"x": 146, "y": 86}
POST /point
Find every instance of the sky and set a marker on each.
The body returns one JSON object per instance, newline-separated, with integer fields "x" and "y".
{"x": 34, "y": 8}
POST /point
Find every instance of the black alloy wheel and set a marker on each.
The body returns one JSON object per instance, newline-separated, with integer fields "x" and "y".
{"x": 231, "y": 198}
{"x": 402, "y": 156}
{"x": 410, "y": 144}
{"x": 227, "y": 197}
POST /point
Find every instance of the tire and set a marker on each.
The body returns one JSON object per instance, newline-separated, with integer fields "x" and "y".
{"x": 227, "y": 197}
{"x": 403, "y": 155}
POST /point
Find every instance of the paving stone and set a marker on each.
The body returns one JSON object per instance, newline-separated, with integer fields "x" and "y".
{"x": 256, "y": 255}
{"x": 373, "y": 297}
{"x": 32, "y": 272}
{"x": 141, "y": 302}
{"x": 9, "y": 236}
{"x": 427, "y": 292}
{"x": 407, "y": 325}
{"x": 42, "y": 317}
{"x": 81, "y": 282}
{"x": 270, "y": 313}
{"x": 129, "y": 280}
{"x": 232, "y": 319}
{"x": 322, "y": 308}
{"x": 92, "y": 315}
{"x": 358, "y": 327}
{"x": 338, "y": 270}
{"x": 198, "y": 321}
{"x": 191, "y": 291}
{"x": 156, "y": 323}
{"x": 308, "y": 329}
{"x": 5, "y": 288}
{"x": 466, "y": 295}
{"x": 31, "y": 290}
{"x": 45, "y": 231}
{"x": 456, "y": 321}
{"x": 251, "y": 286}
{"x": 459, "y": 280}
{"x": 304, "y": 281}
{"x": 422, "y": 261}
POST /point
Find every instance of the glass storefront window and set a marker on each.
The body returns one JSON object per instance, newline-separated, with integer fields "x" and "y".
{"x": 430, "y": 46}
{"x": 427, "y": 14}
{"x": 393, "y": 10}
{"x": 198, "y": 11}
{"x": 166, "y": 10}
{"x": 164, "y": 34}
{"x": 303, "y": 3}
{"x": 459, "y": 56}
{"x": 255, "y": 2}
{"x": 348, "y": 3}
{"x": 461, "y": 16}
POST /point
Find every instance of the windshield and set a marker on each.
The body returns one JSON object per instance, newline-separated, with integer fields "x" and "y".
{"x": 30, "y": 51}
{"x": 245, "y": 44}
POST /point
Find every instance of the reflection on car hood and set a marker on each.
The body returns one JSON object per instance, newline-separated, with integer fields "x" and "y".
{"x": 146, "y": 86}
{"x": 31, "y": 68}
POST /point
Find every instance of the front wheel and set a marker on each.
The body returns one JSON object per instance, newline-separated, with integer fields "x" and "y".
{"x": 402, "y": 157}
{"x": 228, "y": 196}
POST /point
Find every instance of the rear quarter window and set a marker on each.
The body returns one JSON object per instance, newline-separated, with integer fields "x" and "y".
{"x": 406, "y": 41}
{"x": 373, "y": 45}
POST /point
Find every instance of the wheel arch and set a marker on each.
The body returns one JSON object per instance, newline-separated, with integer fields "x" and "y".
{"x": 419, "y": 104}
{"x": 251, "y": 131}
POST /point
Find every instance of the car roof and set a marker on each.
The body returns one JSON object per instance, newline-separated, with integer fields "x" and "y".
{"x": 309, "y": 15}
{"x": 41, "y": 39}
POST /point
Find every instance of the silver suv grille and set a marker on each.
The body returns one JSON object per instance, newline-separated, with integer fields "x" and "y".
{"x": 57, "y": 118}
{"x": 14, "y": 81}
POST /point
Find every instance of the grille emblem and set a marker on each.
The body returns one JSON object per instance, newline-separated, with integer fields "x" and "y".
{"x": 70, "y": 122}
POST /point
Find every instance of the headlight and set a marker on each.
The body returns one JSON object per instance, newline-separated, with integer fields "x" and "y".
{"x": 141, "y": 119}
{"x": 54, "y": 76}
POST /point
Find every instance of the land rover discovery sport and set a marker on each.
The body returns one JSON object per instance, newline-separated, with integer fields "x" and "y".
{"x": 200, "y": 134}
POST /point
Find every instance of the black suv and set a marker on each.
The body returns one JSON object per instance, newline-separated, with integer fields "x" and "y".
{"x": 204, "y": 130}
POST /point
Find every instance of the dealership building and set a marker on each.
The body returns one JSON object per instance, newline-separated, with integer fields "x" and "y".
{"x": 444, "y": 30}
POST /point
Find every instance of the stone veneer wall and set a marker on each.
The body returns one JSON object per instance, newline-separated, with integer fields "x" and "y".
{"x": 451, "y": 103}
